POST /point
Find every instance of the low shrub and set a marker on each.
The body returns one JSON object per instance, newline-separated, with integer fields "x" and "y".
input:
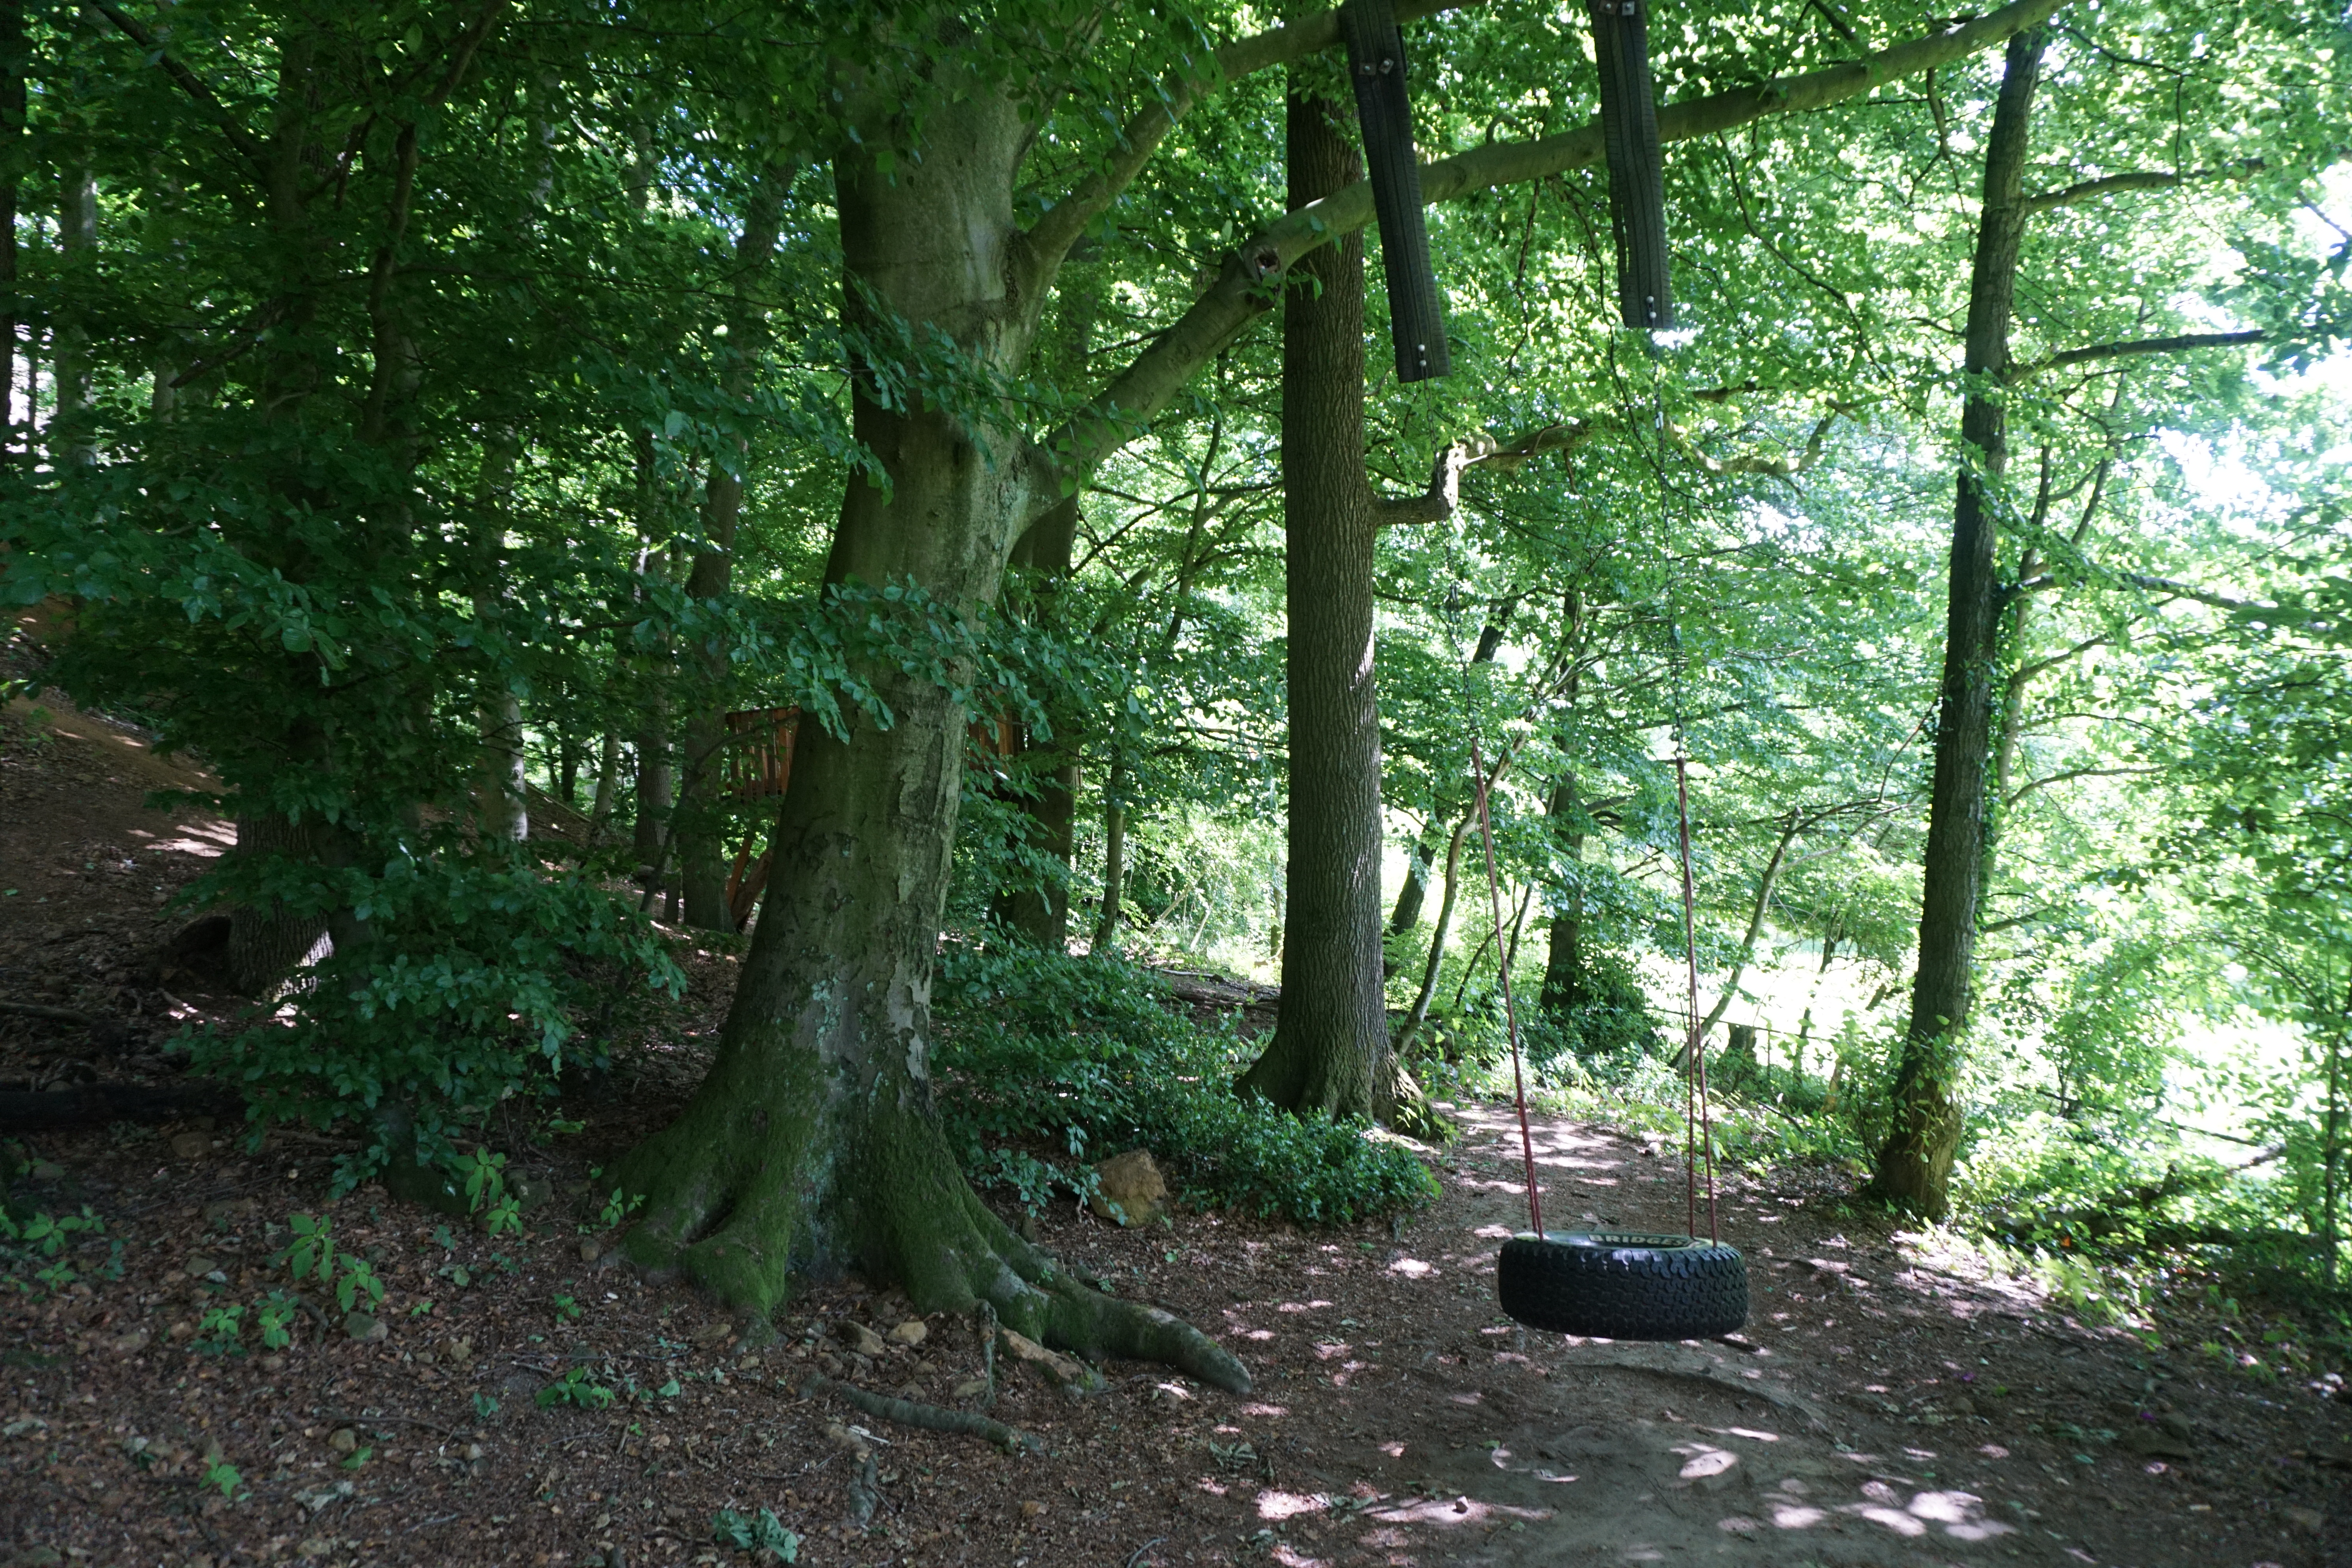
{"x": 471, "y": 996}
{"x": 1083, "y": 1057}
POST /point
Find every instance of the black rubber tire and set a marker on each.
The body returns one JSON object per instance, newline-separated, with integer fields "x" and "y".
{"x": 1617, "y": 1285}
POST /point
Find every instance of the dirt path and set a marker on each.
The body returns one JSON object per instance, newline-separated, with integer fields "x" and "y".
{"x": 1881, "y": 1409}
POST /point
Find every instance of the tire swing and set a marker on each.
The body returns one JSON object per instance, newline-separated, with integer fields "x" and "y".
{"x": 1622, "y": 1285}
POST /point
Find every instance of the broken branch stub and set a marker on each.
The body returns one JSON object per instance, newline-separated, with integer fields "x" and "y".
{"x": 1384, "y": 110}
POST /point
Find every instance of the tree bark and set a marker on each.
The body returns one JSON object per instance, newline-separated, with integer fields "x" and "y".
{"x": 811, "y": 1145}
{"x": 266, "y": 939}
{"x": 1330, "y": 1047}
{"x": 1915, "y": 1164}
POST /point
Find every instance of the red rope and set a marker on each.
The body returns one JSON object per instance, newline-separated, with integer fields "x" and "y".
{"x": 1510, "y": 1008}
{"x": 1695, "y": 1095}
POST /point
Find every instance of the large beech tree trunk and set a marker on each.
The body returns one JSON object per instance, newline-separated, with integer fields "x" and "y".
{"x": 1330, "y": 1047}
{"x": 812, "y": 1145}
{"x": 1915, "y": 1164}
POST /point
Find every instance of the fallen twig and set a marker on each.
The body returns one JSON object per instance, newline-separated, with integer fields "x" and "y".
{"x": 350, "y": 1420}
{"x": 54, "y": 1014}
{"x": 926, "y": 1417}
{"x": 97, "y": 1104}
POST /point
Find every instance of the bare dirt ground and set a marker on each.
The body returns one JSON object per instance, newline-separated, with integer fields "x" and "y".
{"x": 1886, "y": 1405}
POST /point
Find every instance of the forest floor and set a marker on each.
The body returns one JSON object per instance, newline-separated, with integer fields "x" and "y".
{"x": 519, "y": 1400}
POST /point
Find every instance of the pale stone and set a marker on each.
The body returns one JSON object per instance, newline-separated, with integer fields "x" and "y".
{"x": 1129, "y": 1189}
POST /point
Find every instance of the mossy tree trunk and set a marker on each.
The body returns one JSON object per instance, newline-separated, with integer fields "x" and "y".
{"x": 811, "y": 1145}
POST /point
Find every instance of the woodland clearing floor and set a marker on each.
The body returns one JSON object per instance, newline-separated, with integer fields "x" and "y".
{"x": 1886, "y": 1405}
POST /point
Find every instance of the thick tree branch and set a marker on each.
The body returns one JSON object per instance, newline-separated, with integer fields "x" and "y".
{"x": 2092, "y": 190}
{"x": 1782, "y": 467}
{"x": 194, "y": 86}
{"x": 1050, "y": 237}
{"x": 2021, "y": 791}
{"x": 2188, "y": 591}
{"x": 1437, "y": 503}
{"x": 2148, "y": 180}
{"x": 1240, "y": 293}
{"x": 2153, "y": 584}
{"x": 2172, "y": 345}
{"x": 2026, "y": 672}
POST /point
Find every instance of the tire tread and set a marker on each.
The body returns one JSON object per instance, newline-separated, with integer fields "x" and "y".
{"x": 1601, "y": 1290}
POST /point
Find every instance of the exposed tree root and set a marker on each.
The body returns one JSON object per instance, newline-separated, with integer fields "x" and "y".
{"x": 738, "y": 1199}
{"x": 927, "y": 1417}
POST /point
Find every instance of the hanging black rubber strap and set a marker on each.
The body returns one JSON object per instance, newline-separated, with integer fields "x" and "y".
{"x": 1376, "y": 65}
{"x": 1637, "y": 179}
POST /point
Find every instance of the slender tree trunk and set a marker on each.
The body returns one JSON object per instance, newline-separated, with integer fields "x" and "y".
{"x": 1419, "y": 864}
{"x": 653, "y": 777}
{"x": 811, "y": 1144}
{"x": 608, "y": 784}
{"x": 1791, "y": 825}
{"x": 1563, "y": 980}
{"x": 504, "y": 806}
{"x": 1330, "y": 1047}
{"x": 701, "y": 850}
{"x": 12, "y": 143}
{"x": 71, "y": 437}
{"x": 1114, "y": 878}
{"x": 1418, "y": 1013}
{"x": 1041, "y": 913}
{"x": 1916, "y": 1161}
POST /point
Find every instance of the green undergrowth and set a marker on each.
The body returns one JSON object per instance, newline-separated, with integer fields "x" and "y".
{"x": 1049, "y": 1064}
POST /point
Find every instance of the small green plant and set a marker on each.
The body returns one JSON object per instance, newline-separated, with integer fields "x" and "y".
{"x": 567, "y": 1310}
{"x": 276, "y": 1313}
{"x": 312, "y": 1255}
{"x": 218, "y": 1331}
{"x": 620, "y": 1206}
{"x": 576, "y": 1388}
{"x": 41, "y": 1242}
{"x": 761, "y": 1533}
{"x": 359, "y": 1279}
{"x": 484, "y": 1407}
{"x": 358, "y": 1458}
{"x": 486, "y": 1193}
{"x": 421, "y": 1308}
{"x": 225, "y": 1476}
